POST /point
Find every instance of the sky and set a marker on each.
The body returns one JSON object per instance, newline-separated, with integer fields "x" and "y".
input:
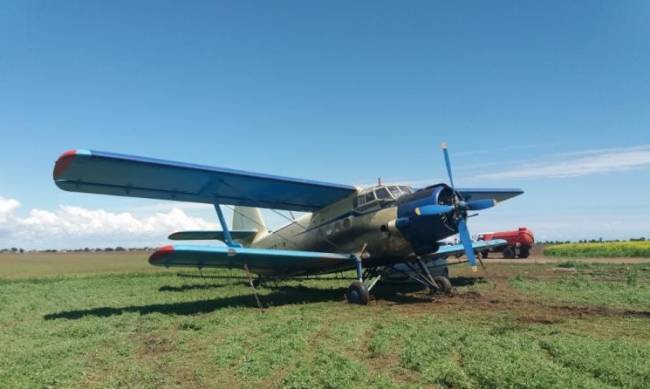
{"x": 552, "y": 97}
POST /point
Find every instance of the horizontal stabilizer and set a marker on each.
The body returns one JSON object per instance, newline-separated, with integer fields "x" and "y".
{"x": 260, "y": 261}
{"x": 212, "y": 235}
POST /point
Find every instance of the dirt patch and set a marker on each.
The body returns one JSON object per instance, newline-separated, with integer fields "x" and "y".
{"x": 495, "y": 294}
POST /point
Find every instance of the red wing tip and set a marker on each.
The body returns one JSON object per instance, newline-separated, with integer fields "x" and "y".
{"x": 66, "y": 159}
{"x": 63, "y": 162}
{"x": 160, "y": 253}
{"x": 68, "y": 153}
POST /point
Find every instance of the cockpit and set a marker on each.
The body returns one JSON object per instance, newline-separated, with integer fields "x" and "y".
{"x": 380, "y": 195}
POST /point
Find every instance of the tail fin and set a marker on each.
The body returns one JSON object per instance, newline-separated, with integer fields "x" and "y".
{"x": 247, "y": 218}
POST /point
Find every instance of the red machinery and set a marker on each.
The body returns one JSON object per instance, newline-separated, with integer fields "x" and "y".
{"x": 519, "y": 242}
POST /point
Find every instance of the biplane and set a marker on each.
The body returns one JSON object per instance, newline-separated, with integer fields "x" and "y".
{"x": 374, "y": 230}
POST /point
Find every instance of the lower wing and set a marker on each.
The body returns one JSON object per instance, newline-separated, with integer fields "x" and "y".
{"x": 458, "y": 248}
{"x": 260, "y": 261}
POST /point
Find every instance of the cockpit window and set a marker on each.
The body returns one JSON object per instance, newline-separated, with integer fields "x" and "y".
{"x": 394, "y": 190}
{"x": 382, "y": 193}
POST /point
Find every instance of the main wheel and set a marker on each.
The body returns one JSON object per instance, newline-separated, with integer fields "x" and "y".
{"x": 358, "y": 293}
{"x": 485, "y": 253}
{"x": 524, "y": 252}
{"x": 508, "y": 252}
{"x": 444, "y": 284}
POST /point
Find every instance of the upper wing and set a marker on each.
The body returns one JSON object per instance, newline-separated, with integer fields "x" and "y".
{"x": 261, "y": 261}
{"x": 124, "y": 175}
{"x": 486, "y": 194}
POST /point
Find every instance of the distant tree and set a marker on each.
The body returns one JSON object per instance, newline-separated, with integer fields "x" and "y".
{"x": 13, "y": 249}
{"x": 120, "y": 248}
{"x": 108, "y": 249}
{"x": 21, "y": 250}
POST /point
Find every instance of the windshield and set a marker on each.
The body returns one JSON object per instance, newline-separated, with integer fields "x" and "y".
{"x": 382, "y": 193}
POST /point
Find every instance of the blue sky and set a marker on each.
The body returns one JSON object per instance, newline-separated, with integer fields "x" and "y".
{"x": 552, "y": 97}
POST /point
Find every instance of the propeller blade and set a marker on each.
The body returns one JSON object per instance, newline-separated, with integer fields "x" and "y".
{"x": 466, "y": 240}
{"x": 477, "y": 205}
{"x": 448, "y": 165}
{"x": 434, "y": 209}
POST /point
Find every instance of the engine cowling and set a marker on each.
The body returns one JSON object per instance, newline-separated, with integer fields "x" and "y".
{"x": 423, "y": 232}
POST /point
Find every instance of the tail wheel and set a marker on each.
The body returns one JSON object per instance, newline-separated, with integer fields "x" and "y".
{"x": 444, "y": 284}
{"x": 358, "y": 293}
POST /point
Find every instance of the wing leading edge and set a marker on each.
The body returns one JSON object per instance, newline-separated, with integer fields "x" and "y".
{"x": 125, "y": 175}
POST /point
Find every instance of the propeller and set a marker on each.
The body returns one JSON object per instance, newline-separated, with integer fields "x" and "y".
{"x": 461, "y": 207}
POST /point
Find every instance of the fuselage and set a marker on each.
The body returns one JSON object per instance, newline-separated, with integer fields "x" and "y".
{"x": 382, "y": 218}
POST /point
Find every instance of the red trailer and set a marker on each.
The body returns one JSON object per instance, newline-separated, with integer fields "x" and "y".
{"x": 519, "y": 242}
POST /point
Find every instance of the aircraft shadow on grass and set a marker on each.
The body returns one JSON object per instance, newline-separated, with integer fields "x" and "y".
{"x": 186, "y": 287}
{"x": 280, "y": 295}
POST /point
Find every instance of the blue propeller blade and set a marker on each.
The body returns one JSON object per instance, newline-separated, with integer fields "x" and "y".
{"x": 466, "y": 240}
{"x": 477, "y": 205}
{"x": 434, "y": 209}
{"x": 448, "y": 164}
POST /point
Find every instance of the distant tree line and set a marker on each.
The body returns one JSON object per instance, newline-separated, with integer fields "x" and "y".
{"x": 599, "y": 240}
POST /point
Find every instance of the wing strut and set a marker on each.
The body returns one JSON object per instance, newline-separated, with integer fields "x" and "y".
{"x": 224, "y": 226}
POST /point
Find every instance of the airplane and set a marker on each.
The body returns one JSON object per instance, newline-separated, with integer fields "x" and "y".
{"x": 374, "y": 230}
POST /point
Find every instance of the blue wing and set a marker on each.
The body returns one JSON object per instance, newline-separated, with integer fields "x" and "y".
{"x": 260, "y": 261}
{"x": 486, "y": 194}
{"x": 459, "y": 249}
{"x": 124, "y": 175}
{"x": 212, "y": 235}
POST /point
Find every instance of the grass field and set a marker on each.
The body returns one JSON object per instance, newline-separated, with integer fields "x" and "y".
{"x": 128, "y": 325}
{"x": 604, "y": 249}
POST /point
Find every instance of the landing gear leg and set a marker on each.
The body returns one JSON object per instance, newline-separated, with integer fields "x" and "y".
{"x": 438, "y": 284}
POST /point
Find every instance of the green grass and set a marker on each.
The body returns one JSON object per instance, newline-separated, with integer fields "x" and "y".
{"x": 13, "y": 266}
{"x": 605, "y": 249}
{"x": 156, "y": 329}
{"x": 602, "y": 285}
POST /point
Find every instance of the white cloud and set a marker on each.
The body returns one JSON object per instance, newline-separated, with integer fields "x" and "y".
{"x": 71, "y": 226}
{"x": 7, "y": 206}
{"x": 579, "y": 164}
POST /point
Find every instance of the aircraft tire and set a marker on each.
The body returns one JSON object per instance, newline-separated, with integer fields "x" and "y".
{"x": 485, "y": 253}
{"x": 508, "y": 252}
{"x": 445, "y": 285}
{"x": 358, "y": 293}
{"x": 524, "y": 252}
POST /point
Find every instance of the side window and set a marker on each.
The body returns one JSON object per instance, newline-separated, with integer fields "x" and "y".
{"x": 370, "y": 196}
{"x": 361, "y": 200}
